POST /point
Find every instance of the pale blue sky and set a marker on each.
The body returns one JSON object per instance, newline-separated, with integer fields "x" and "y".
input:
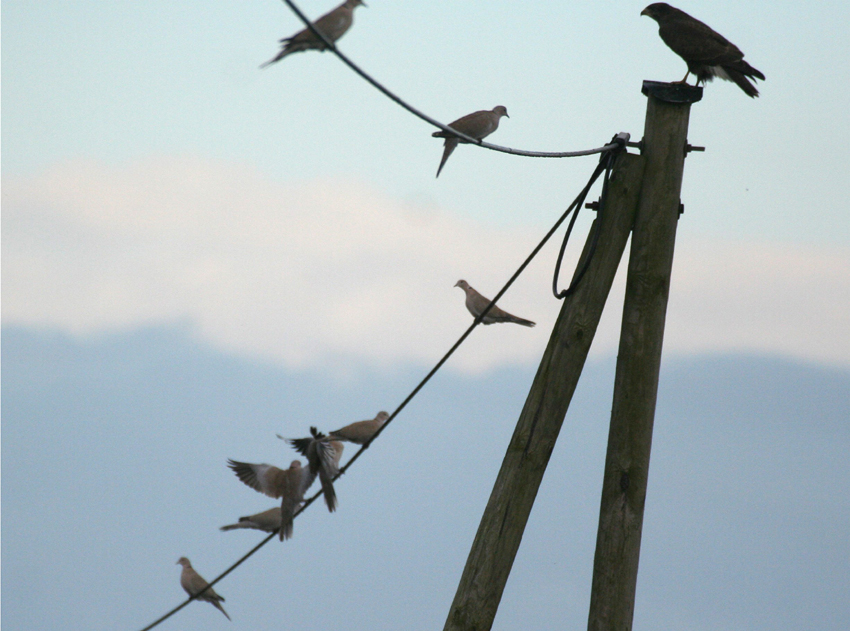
{"x": 148, "y": 128}
{"x": 123, "y": 81}
{"x": 198, "y": 254}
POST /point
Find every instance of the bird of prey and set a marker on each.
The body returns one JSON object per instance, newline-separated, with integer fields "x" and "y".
{"x": 707, "y": 53}
{"x": 267, "y": 521}
{"x": 194, "y": 583}
{"x": 332, "y": 25}
{"x": 477, "y": 125}
{"x": 289, "y": 485}
{"x": 361, "y": 431}
{"x": 476, "y": 303}
{"x": 323, "y": 455}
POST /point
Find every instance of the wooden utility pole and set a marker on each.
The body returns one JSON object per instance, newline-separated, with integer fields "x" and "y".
{"x": 615, "y": 567}
{"x": 644, "y": 193}
{"x": 506, "y": 514}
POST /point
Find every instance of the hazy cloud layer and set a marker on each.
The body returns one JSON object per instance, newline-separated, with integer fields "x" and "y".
{"x": 336, "y": 272}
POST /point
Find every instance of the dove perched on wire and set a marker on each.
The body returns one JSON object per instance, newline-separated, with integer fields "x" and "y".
{"x": 289, "y": 485}
{"x": 477, "y": 125}
{"x": 332, "y": 25}
{"x": 476, "y": 303}
{"x": 323, "y": 455}
{"x": 267, "y": 521}
{"x": 194, "y": 583}
{"x": 361, "y": 431}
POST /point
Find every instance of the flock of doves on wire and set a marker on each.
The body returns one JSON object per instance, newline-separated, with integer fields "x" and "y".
{"x": 707, "y": 54}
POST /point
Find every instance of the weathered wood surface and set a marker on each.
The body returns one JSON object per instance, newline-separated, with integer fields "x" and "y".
{"x": 615, "y": 565}
{"x": 500, "y": 532}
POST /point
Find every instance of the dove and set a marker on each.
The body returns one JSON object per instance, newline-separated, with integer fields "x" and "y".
{"x": 477, "y": 125}
{"x": 267, "y": 521}
{"x": 323, "y": 455}
{"x": 194, "y": 583}
{"x": 332, "y": 25}
{"x": 289, "y": 485}
{"x": 476, "y": 303}
{"x": 707, "y": 53}
{"x": 361, "y": 431}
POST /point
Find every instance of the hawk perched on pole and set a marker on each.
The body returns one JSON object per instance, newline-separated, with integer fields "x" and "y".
{"x": 707, "y": 53}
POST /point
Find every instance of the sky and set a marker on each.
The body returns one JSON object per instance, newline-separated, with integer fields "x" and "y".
{"x": 153, "y": 174}
{"x": 154, "y": 179}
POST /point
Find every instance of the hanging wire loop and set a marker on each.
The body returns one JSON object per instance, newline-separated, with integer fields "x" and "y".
{"x": 606, "y": 163}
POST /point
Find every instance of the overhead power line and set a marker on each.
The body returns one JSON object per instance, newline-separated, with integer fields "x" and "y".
{"x": 609, "y": 151}
{"x": 394, "y": 97}
{"x": 606, "y": 162}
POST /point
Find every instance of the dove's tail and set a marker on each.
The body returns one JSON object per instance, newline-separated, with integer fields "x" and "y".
{"x": 286, "y": 529}
{"x": 218, "y": 606}
{"x": 244, "y": 522}
{"x": 287, "y": 514}
{"x": 328, "y": 490}
{"x": 283, "y": 53}
{"x": 450, "y": 145}
{"x": 522, "y": 321}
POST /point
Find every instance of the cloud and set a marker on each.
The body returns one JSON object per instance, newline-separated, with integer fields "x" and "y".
{"x": 773, "y": 298}
{"x": 335, "y": 273}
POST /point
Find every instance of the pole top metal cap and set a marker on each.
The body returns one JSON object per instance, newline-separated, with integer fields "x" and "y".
{"x": 672, "y": 92}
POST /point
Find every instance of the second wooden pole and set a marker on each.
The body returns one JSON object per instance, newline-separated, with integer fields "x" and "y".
{"x": 615, "y": 566}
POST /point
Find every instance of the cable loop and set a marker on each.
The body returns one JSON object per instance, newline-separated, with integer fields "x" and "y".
{"x": 606, "y": 163}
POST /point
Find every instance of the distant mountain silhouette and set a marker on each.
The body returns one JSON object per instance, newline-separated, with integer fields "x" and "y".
{"x": 114, "y": 449}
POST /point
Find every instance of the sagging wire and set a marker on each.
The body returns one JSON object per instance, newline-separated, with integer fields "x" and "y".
{"x": 392, "y": 96}
{"x": 606, "y": 162}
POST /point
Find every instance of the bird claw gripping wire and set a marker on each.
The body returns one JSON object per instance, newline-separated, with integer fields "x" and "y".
{"x": 606, "y": 163}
